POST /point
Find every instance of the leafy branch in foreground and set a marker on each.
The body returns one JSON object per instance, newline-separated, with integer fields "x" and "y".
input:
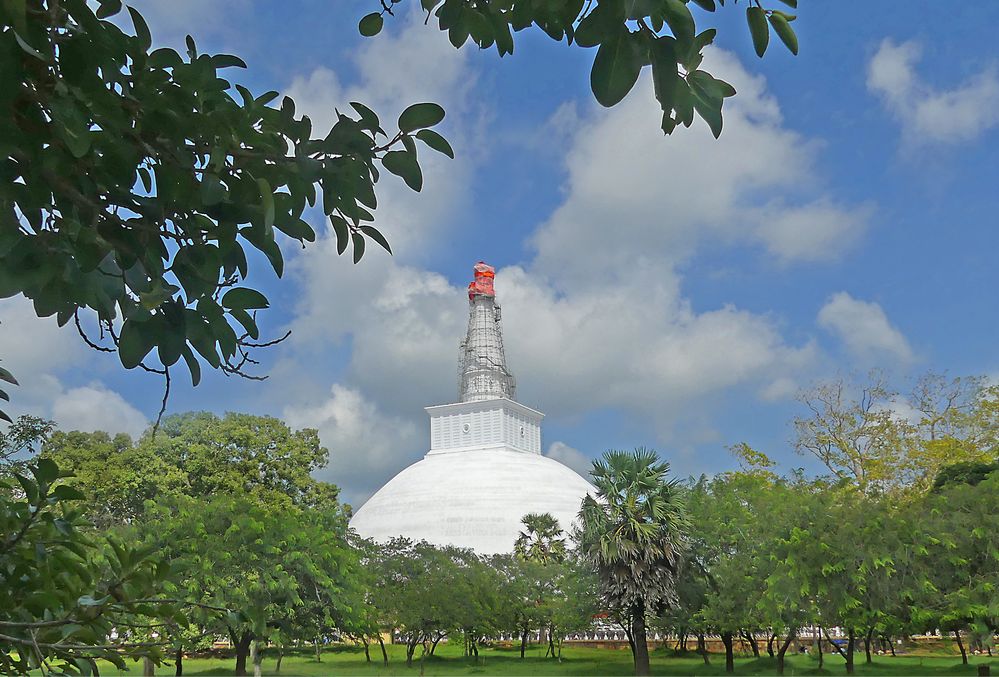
{"x": 69, "y": 599}
{"x": 133, "y": 180}
{"x": 628, "y": 34}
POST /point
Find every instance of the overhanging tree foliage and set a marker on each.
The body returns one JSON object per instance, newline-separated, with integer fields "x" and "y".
{"x": 628, "y": 35}
{"x": 134, "y": 181}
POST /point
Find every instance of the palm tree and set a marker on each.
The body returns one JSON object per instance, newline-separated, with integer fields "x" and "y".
{"x": 541, "y": 541}
{"x": 634, "y": 532}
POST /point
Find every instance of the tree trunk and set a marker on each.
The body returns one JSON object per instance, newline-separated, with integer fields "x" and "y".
{"x": 410, "y": 650}
{"x": 753, "y": 644}
{"x": 702, "y": 648}
{"x": 523, "y": 641}
{"x": 851, "y": 644}
{"x": 179, "y": 662}
{"x": 839, "y": 650}
{"x": 148, "y": 667}
{"x": 280, "y": 649}
{"x": 242, "y": 651}
{"x": 867, "y": 645}
{"x": 960, "y": 645}
{"x": 726, "y": 638}
{"x": 891, "y": 645}
{"x": 641, "y": 646}
{"x": 630, "y": 636}
{"x": 381, "y": 643}
{"x": 771, "y": 640}
{"x": 792, "y": 633}
{"x": 258, "y": 657}
{"x": 551, "y": 640}
{"x": 433, "y": 647}
{"x": 367, "y": 654}
{"x": 818, "y": 646}
{"x": 319, "y": 653}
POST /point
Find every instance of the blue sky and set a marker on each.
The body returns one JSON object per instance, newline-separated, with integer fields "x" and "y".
{"x": 674, "y": 291}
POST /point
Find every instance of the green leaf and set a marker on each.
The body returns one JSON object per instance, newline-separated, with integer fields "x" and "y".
{"x": 758, "y": 28}
{"x": 358, "y": 240}
{"x": 709, "y": 87}
{"x": 133, "y": 344}
{"x": 171, "y": 343}
{"x": 371, "y": 24}
{"x": 46, "y": 471}
{"x": 791, "y": 3}
{"x": 298, "y": 229}
{"x": 710, "y": 111}
{"x": 341, "y": 232}
{"x": 267, "y": 202}
{"x": 141, "y": 29}
{"x": 64, "y": 492}
{"x": 615, "y": 71}
{"x": 784, "y": 31}
{"x": 369, "y": 120}
{"x": 376, "y": 236}
{"x": 29, "y": 487}
{"x": 242, "y": 298}
{"x": 212, "y": 190}
{"x": 28, "y": 48}
{"x": 420, "y": 115}
{"x": 227, "y": 61}
{"x": 680, "y": 21}
{"x": 604, "y": 23}
{"x": 192, "y": 364}
{"x": 707, "y": 5}
{"x": 108, "y": 8}
{"x": 4, "y": 396}
{"x": 404, "y": 164}
{"x": 245, "y": 319}
{"x": 435, "y": 141}
{"x": 664, "y": 71}
{"x": 7, "y": 376}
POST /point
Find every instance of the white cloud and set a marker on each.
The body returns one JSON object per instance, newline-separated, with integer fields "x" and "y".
{"x": 38, "y": 351}
{"x": 781, "y": 388}
{"x": 95, "y": 407}
{"x": 571, "y": 457}
{"x": 403, "y": 324}
{"x": 597, "y": 319}
{"x": 30, "y": 344}
{"x": 364, "y": 442}
{"x": 634, "y": 344}
{"x": 929, "y": 114}
{"x": 432, "y": 70}
{"x": 816, "y": 231}
{"x": 864, "y": 328}
{"x": 636, "y": 199}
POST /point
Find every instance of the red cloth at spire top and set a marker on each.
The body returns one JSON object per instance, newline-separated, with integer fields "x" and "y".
{"x": 483, "y": 283}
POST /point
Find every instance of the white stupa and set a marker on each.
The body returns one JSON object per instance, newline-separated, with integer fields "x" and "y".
{"x": 484, "y": 470}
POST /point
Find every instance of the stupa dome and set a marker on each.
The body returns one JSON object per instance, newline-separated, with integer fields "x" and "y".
{"x": 484, "y": 470}
{"x": 473, "y": 499}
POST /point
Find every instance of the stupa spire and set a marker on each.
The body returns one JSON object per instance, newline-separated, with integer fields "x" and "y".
{"x": 482, "y": 370}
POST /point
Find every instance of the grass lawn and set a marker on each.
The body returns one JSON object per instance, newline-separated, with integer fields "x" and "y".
{"x": 575, "y": 661}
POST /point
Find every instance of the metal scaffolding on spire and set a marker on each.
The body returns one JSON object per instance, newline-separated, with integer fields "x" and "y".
{"x": 482, "y": 370}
